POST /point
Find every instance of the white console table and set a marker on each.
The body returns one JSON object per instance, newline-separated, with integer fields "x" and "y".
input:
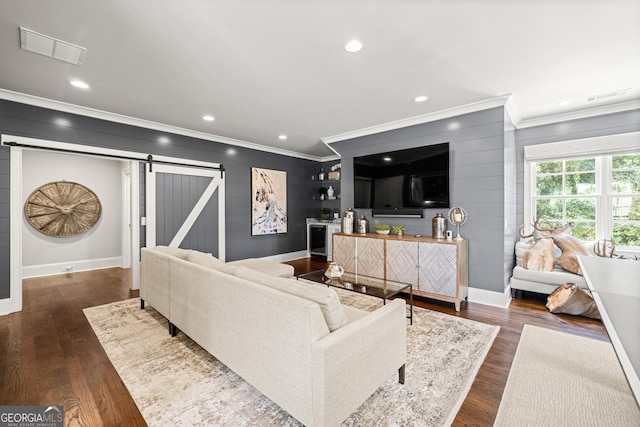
{"x": 615, "y": 286}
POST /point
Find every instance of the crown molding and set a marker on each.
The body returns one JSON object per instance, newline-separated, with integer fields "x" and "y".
{"x": 580, "y": 114}
{"x": 498, "y": 101}
{"x": 507, "y": 101}
{"x": 147, "y": 124}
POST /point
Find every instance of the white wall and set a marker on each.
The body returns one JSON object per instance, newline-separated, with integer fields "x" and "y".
{"x": 101, "y": 246}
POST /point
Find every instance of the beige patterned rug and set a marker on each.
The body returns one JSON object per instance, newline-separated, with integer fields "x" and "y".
{"x": 174, "y": 382}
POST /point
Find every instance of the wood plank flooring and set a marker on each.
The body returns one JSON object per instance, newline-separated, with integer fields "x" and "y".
{"x": 49, "y": 354}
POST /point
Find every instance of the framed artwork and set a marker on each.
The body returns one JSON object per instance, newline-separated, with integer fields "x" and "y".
{"x": 268, "y": 201}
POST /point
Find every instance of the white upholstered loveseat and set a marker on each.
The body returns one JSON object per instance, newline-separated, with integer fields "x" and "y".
{"x": 292, "y": 340}
{"x": 543, "y": 282}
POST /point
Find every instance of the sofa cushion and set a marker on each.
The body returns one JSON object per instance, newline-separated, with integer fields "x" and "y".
{"x": 269, "y": 267}
{"x": 325, "y": 297}
{"x": 209, "y": 261}
{"x": 176, "y": 252}
{"x": 556, "y": 278}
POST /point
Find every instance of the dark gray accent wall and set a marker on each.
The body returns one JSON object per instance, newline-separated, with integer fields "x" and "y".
{"x": 35, "y": 122}
{"x": 477, "y": 183}
{"x": 609, "y": 124}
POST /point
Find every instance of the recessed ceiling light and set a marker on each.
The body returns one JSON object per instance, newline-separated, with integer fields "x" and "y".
{"x": 79, "y": 84}
{"x": 208, "y": 118}
{"x": 231, "y": 151}
{"x": 420, "y": 98}
{"x": 386, "y": 159}
{"x": 282, "y": 137}
{"x": 61, "y": 121}
{"x": 353, "y": 46}
{"x": 164, "y": 139}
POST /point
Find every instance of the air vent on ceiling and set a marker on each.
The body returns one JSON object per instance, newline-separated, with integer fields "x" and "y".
{"x": 606, "y": 95}
{"x": 51, "y": 47}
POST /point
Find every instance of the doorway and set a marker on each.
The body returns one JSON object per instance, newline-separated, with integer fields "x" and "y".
{"x": 132, "y": 229}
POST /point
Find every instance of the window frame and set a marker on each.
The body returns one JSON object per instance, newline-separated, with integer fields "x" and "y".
{"x": 603, "y": 149}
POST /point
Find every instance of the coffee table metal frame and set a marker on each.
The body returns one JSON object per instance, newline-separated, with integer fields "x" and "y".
{"x": 379, "y": 288}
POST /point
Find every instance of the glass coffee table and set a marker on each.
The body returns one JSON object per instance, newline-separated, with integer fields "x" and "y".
{"x": 375, "y": 287}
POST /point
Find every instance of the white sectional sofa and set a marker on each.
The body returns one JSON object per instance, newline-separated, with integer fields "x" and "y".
{"x": 154, "y": 272}
{"x": 291, "y": 339}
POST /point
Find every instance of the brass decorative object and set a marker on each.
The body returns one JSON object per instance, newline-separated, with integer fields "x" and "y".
{"x": 62, "y": 209}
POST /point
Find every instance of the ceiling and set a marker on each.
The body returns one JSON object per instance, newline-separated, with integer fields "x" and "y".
{"x": 270, "y": 68}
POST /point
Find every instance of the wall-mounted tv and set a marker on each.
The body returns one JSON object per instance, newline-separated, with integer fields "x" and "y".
{"x": 403, "y": 182}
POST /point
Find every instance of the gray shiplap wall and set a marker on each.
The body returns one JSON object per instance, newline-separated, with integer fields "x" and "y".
{"x": 477, "y": 183}
{"x": 35, "y": 122}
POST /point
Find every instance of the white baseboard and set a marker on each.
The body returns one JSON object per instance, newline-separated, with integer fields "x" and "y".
{"x": 8, "y": 306}
{"x": 496, "y": 299}
{"x": 70, "y": 267}
{"x": 288, "y": 256}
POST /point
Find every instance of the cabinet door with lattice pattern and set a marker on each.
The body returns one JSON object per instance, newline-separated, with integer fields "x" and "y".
{"x": 402, "y": 261}
{"x": 370, "y": 257}
{"x": 344, "y": 252}
{"x": 438, "y": 271}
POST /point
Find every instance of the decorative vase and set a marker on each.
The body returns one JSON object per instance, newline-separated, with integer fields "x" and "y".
{"x": 330, "y": 192}
{"x": 321, "y": 175}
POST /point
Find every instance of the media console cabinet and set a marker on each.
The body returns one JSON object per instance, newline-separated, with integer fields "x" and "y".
{"x": 437, "y": 269}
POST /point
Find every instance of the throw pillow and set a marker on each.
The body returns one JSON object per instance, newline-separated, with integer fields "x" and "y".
{"x": 570, "y": 247}
{"x": 176, "y": 252}
{"x": 540, "y": 256}
{"x": 209, "y": 261}
{"x": 325, "y": 297}
{"x": 522, "y": 246}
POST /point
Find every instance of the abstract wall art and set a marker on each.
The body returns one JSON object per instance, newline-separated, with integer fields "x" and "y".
{"x": 268, "y": 201}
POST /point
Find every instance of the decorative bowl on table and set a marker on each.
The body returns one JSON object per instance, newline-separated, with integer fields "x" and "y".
{"x": 383, "y": 231}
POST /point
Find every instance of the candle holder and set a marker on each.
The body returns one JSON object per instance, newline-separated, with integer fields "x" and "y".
{"x": 457, "y": 216}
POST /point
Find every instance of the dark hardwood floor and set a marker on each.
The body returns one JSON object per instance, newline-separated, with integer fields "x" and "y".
{"x": 50, "y": 355}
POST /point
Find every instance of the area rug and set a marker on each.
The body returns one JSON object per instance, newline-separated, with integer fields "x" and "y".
{"x": 558, "y": 379}
{"x": 175, "y": 382}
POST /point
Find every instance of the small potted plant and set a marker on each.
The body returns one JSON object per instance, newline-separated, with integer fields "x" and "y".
{"x": 399, "y": 229}
{"x": 383, "y": 228}
{"x": 325, "y": 213}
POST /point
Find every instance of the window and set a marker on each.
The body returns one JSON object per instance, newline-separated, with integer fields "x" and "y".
{"x": 600, "y": 194}
{"x": 625, "y": 199}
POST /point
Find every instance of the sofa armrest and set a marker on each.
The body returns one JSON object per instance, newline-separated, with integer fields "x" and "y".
{"x": 154, "y": 280}
{"x": 354, "y": 361}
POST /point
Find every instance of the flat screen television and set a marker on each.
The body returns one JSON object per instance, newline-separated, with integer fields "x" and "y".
{"x": 403, "y": 182}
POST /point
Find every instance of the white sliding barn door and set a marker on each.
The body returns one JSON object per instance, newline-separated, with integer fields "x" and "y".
{"x": 185, "y": 207}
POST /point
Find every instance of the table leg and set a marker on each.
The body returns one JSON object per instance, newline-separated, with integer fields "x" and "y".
{"x": 411, "y": 304}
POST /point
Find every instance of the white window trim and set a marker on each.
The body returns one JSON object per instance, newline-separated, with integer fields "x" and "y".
{"x": 598, "y": 146}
